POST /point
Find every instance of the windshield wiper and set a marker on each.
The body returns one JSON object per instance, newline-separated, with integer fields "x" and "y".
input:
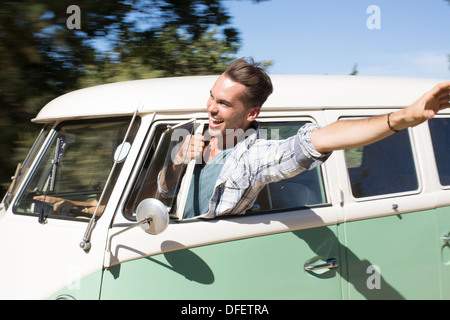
{"x": 50, "y": 185}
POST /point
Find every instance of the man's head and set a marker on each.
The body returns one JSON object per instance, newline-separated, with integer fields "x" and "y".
{"x": 254, "y": 78}
{"x": 237, "y": 96}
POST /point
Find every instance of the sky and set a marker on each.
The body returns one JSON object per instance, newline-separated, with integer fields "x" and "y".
{"x": 399, "y": 38}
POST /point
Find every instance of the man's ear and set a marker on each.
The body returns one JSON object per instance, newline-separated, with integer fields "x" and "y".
{"x": 253, "y": 114}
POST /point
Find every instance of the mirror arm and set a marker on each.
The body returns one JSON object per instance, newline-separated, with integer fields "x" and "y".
{"x": 108, "y": 253}
{"x": 153, "y": 218}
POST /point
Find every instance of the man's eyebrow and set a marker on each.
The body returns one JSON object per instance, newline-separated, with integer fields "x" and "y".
{"x": 222, "y": 101}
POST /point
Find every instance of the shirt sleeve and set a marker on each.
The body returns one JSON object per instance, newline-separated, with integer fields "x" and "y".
{"x": 306, "y": 155}
{"x": 253, "y": 165}
{"x": 274, "y": 160}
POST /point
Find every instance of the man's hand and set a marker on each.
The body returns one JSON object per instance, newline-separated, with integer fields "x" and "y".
{"x": 425, "y": 108}
{"x": 191, "y": 149}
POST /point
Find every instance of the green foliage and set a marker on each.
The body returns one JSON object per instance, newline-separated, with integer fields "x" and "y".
{"x": 41, "y": 58}
{"x": 168, "y": 53}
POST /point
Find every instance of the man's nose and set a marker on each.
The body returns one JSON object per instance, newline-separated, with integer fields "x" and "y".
{"x": 212, "y": 106}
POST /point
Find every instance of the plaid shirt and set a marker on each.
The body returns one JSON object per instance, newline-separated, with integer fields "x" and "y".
{"x": 256, "y": 162}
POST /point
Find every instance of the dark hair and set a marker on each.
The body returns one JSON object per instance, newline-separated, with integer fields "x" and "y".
{"x": 254, "y": 77}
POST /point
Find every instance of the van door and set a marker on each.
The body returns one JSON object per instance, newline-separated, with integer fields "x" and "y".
{"x": 389, "y": 219}
{"x": 287, "y": 247}
{"x": 440, "y": 137}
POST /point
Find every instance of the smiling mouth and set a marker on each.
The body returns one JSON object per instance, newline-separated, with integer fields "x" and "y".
{"x": 215, "y": 121}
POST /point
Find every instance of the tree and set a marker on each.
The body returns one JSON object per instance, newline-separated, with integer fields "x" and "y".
{"x": 41, "y": 58}
{"x": 169, "y": 53}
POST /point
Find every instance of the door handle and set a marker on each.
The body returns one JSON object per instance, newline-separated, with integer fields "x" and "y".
{"x": 330, "y": 264}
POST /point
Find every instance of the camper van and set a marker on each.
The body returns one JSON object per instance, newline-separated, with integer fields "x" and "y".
{"x": 84, "y": 217}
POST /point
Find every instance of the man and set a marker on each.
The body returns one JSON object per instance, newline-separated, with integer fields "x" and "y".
{"x": 235, "y": 170}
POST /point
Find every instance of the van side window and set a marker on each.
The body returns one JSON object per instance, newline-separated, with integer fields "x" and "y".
{"x": 440, "y": 136}
{"x": 305, "y": 189}
{"x": 72, "y": 172}
{"x": 384, "y": 167}
{"x": 163, "y": 145}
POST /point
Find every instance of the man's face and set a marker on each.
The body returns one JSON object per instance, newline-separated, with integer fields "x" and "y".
{"x": 226, "y": 108}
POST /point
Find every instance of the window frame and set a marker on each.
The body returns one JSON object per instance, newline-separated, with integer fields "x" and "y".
{"x": 322, "y": 179}
{"x": 396, "y": 204}
{"x": 437, "y": 117}
{"x": 47, "y": 144}
{"x": 149, "y": 140}
{"x": 351, "y": 115}
{"x": 27, "y": 165}
{"x": 144, "y": 158}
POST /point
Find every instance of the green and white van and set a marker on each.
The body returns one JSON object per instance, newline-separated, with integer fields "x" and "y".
{"x": 371, "y": 223}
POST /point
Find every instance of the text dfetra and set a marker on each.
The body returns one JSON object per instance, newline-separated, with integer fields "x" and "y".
{"x": 229, "y": 309}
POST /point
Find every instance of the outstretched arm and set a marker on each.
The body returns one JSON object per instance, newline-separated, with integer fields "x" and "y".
{"x": 346, "y": 134}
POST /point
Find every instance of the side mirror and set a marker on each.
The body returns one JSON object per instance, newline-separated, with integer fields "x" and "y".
{"x": 152, "y": 215}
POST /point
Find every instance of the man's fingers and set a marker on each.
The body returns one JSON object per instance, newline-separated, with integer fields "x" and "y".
{"x": 440, "y": 89}
{"x": 440, "y": 92}
{"x": 442, "y": 95}
{"x": 192, "y": 148}
{"x": 444, "y": 105}
{"x": 444, "y": 99}
{"x": 197, "y": 144}
{"x": 436, "y": 99}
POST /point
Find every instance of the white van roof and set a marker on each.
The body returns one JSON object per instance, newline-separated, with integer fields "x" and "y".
{"x": 189, "y": 94}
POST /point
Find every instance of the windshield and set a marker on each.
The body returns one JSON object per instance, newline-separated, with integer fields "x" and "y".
{"x": 72, "y": 172}
{"x": 22, "y": 169}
